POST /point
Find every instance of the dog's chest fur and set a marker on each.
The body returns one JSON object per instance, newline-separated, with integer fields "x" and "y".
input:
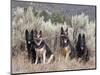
{"x": 65, "y": 50}
{"x": 40, "y": 51}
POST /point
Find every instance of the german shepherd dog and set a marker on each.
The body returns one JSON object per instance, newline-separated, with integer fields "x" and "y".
{"x": 42, "y": 50}
{"x": 81, "y": 48}
{"x": 30, "y": 45}
{"x": 66, "y": 47}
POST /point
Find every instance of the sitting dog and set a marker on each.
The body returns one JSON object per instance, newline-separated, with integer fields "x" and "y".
{"x": 41, "y": 48}
{"x": 30, "y": 45}
{"x": 81, "y": 48}
{"x": 66, "y": 47}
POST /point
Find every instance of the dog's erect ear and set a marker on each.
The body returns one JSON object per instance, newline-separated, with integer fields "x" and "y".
{"x": 66, "y": 31}
{"x": 26, "y": 31}
{"x": 80, "y": 34}
{"x": 35, "y": 32}
{"x": 26, "y": 34}
{"x": 40, "y": 33}
{"x": 62, "y": 30}
{"x": 84, "y": 38}
{"x": 31, "y": 33}
{"x": 79, "y": 37}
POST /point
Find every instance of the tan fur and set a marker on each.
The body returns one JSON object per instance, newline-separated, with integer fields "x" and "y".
{"x": 65, "y": 52}
{"x": 40, "y": 53}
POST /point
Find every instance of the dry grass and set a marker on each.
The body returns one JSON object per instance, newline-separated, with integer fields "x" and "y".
{"x": 21, "y": 64}
{"x": 22, "y": 21}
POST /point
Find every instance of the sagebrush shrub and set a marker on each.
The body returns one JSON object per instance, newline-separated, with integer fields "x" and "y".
{"x": 22, "y": 20}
